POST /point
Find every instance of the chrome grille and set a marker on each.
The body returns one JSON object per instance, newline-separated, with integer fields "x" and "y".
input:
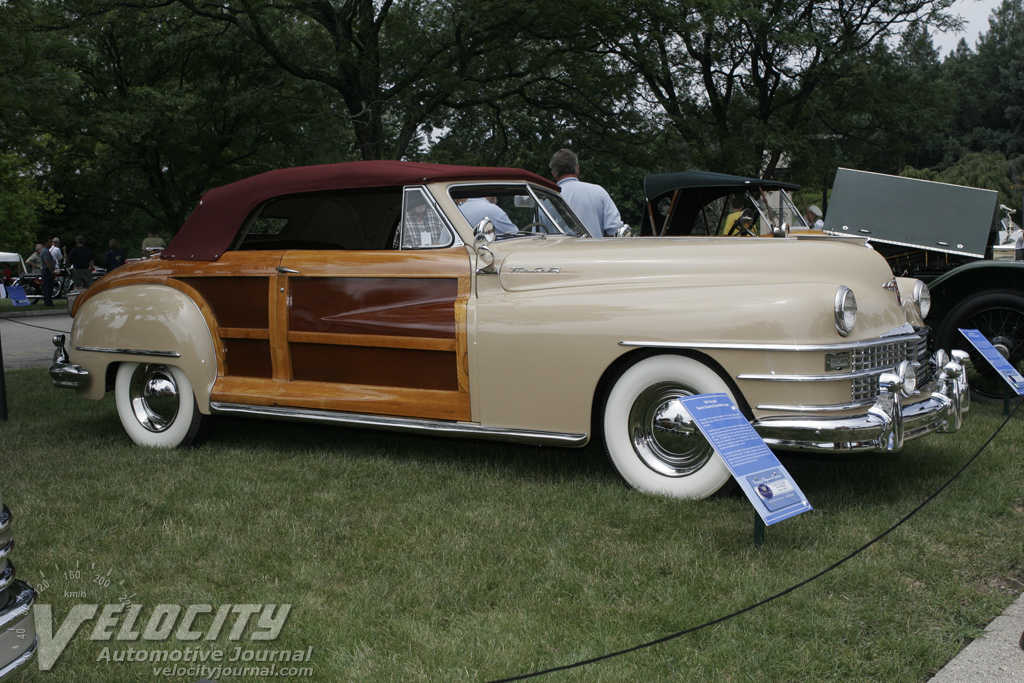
{"x": 886, "y": 356}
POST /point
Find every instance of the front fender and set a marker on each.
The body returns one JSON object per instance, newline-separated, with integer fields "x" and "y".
{"x": 143, "y": 323}
{"x": 952, "y": 287}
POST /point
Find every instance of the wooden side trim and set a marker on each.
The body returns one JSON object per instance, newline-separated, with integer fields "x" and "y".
{"x": 423, "y": 403}
{"x": 280, "y": 355}
{"x": 244, "y": 333}
{"x": 374, "y": 340}
{"x": 461, "y": 336}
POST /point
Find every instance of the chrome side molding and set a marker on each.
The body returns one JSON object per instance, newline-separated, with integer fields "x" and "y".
{"x": 404, "y": 424}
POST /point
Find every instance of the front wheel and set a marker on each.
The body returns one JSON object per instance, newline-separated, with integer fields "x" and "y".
{"x": 999, "y": 315}
{"x": 157, "y": 406}
{"x": 653, "y": 445}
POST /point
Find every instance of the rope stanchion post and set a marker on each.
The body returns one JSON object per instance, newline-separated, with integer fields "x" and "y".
{"x": 3, "y": 386}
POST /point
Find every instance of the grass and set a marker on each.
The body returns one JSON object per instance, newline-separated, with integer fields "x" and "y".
{"x": 416, "y": 559}
{"x": 7, "y": 306}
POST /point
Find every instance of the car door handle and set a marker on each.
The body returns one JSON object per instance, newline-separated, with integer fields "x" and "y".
{"x": 287, "y": 271}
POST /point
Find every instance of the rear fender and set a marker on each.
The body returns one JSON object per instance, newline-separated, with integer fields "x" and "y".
{"x": 140, "y": 324}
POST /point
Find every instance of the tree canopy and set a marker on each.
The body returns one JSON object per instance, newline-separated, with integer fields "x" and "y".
{"x": 116, "y": 115}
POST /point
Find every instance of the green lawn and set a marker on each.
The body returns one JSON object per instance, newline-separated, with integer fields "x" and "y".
{"x": 6, "y": 306}
{"x": 415, "y": 559}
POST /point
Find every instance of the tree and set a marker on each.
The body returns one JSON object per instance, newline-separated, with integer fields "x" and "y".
{"x": 22, "y": 202}
{"x": 166, "y": 106}
{"x": 400, "y": 70}
{"x": 990, "y": 86}
{"x": 747, "y": 83}
{"x": 987, "y": 170}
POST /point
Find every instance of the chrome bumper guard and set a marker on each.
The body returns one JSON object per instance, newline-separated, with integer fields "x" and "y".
{"x": 18, "y": 640}
{"x": 63, "y": 373}
{"x": 886, "y": 425}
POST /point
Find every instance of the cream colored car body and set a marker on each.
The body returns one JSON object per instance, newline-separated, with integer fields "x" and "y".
{"x": 545, "y": 326}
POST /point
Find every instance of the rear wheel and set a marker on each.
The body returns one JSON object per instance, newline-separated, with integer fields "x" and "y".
{"x": 157, "y": 406}
{"x": 999, "y": 315}
{"x": 651, "y": 442}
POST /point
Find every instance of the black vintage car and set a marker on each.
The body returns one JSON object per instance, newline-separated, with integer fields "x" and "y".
{"x": 951, "y": 237}
{"x": 699, "y": 203}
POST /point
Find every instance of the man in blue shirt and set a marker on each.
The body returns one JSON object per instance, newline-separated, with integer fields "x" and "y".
{"x": 475, "y": 209}
{"x": 590, "y": 202}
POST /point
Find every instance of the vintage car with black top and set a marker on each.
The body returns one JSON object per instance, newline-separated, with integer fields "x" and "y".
{"x": 470, "y": 302}
{"x": 705, "y": 204}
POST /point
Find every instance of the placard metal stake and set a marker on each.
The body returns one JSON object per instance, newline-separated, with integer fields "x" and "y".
{"x": 758, "y": 530}
{"x": 3, "y": 387}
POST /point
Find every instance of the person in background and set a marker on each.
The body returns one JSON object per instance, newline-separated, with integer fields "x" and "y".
{"x": 49, "y": 270}
{"x": 736, "y": 209}
{"x": 813, "y": 216}
{"x": 475, "y": 209}
{"x": 81, "y": 259}
{"x": 33, "y": 263}
{"x": 114, "y": 256}
{"x": 58, "y": 254}
{"x": 152, "y": 241}
{"x": 590, "y": 202}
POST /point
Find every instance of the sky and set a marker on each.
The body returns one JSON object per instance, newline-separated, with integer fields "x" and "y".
{"x": 975, "y": 14}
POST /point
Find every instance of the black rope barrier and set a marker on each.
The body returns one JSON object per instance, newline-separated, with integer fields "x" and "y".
{"x": 38, "y": 327}
{"x": 787, "y": 591}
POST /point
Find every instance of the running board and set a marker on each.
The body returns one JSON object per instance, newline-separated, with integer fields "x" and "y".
{"x": 464, "y": 430}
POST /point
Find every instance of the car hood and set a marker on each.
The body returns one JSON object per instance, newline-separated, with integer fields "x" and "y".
{"x": 640, "y": 262}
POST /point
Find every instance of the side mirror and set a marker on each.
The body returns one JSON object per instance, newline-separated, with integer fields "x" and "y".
{"x": 781, "y": 231}
{"x": 483, "y": 234}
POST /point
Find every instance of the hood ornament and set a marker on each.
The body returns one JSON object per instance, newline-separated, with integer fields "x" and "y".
{"x": 895, "y": 288}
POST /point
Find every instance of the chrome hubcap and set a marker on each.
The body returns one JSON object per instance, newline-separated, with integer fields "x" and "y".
{"x": 154, "y": 397}
{"x": 663, "y": 434}
{"x": 1002, "y": 345}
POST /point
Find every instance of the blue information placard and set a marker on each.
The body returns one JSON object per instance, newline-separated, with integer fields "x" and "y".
{"x": 759, "y": 473}
{"x": 995, "y": 359}
{"x": 16, "y": 293}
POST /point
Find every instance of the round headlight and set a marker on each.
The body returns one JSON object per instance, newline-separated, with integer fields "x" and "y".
{"x": 846, "y": 310}
{"x": 923, "y": 298}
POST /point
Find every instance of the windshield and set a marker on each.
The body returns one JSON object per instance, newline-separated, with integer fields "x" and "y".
{"x": 777, "y": 207}
{"x": 516, "y": 209}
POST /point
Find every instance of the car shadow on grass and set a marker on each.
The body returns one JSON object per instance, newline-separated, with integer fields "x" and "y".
{"x": 521, "y": 461}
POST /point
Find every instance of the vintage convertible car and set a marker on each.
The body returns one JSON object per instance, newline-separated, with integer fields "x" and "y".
{"x": 470, "y": 302}
{"x": 702, "y": 204}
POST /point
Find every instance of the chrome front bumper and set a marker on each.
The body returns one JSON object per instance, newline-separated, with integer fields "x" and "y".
{"x": 63, "y": 372}
{"x": 886, "y": 425}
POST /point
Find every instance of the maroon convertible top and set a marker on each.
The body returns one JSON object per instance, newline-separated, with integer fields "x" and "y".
{"x": 213, "y": 224}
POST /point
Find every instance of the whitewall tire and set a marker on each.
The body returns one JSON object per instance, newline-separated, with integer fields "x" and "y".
{"x": 157, "y": 406}
{"x": 676, "y": 461}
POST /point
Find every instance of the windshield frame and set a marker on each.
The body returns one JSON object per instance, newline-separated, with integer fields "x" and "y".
{"x": 768, "y": 212}
{"x": 545, "y": 201}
